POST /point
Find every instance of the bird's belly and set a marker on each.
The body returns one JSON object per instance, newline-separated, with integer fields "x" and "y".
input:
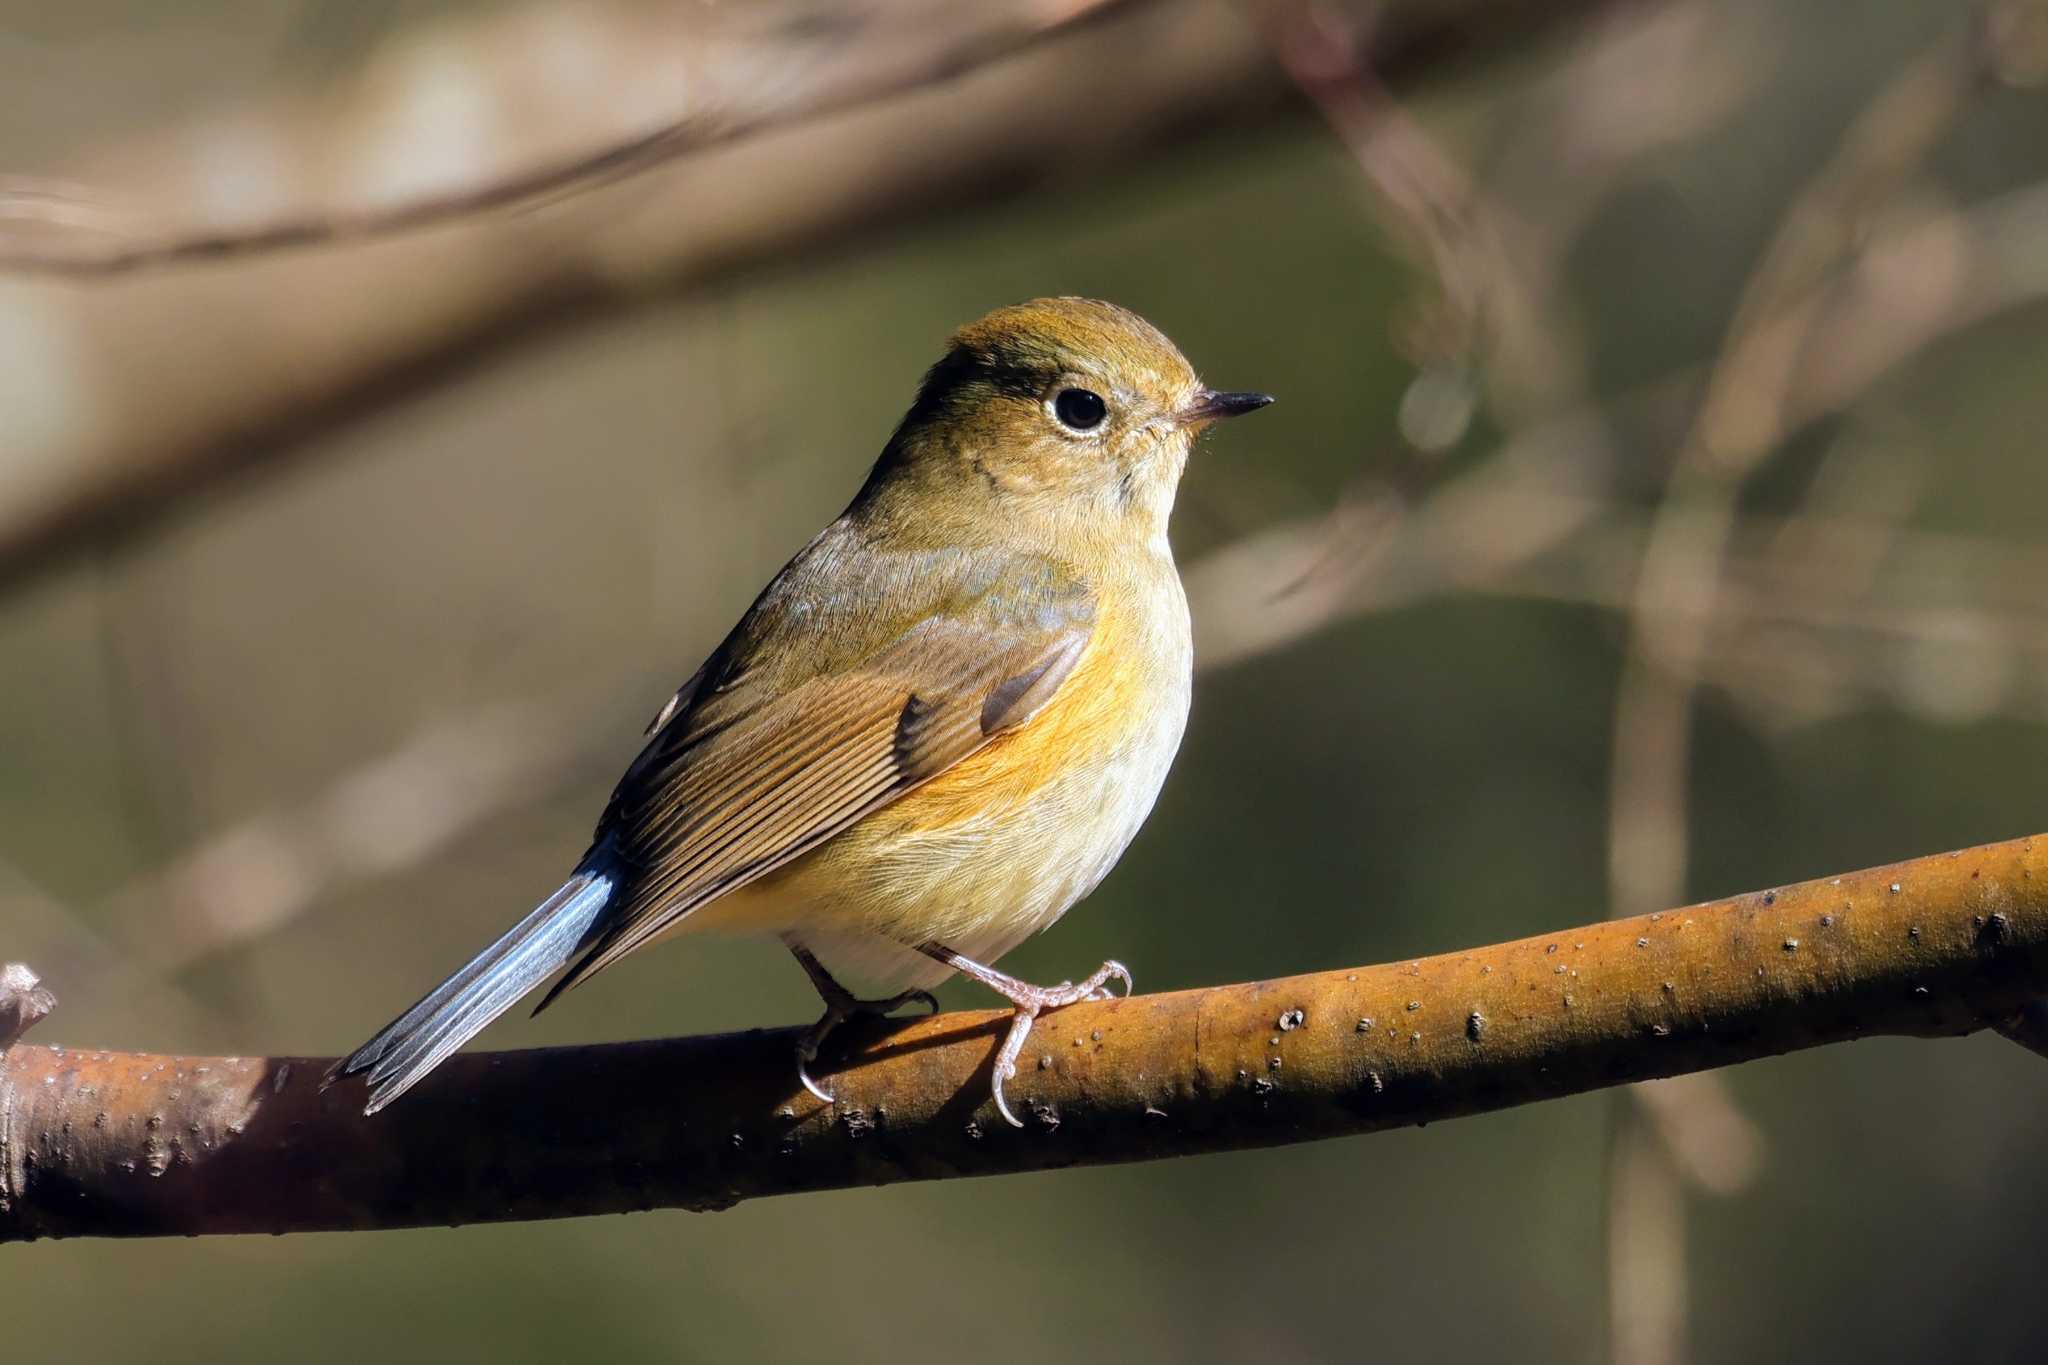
{"x": 980, "y": 886}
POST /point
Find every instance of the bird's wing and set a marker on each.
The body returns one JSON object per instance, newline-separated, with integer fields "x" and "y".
{"x": 854, "y": 679}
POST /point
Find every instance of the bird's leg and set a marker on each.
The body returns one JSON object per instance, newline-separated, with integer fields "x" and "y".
{"x": 840, "y": 1006}
{"x": 1029, "y": 1000}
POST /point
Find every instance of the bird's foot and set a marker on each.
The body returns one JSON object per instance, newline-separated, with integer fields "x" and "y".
{"x": 1029, "y": 1000}
{"x": 840, "y": 1006}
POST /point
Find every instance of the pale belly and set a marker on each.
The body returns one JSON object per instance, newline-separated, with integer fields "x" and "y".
{"x": 984, "y": 882}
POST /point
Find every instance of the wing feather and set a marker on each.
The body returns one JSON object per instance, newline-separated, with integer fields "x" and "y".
{"x": 766, "y": 753}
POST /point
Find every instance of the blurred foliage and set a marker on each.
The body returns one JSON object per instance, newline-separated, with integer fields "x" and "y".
{"x": 576, "y": 519}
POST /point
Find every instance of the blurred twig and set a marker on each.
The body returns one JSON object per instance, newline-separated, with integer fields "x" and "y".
{"x": 793, "y": 73}
{"x": 1491, "y": 527}
{"x": 72, "y": 949}
{"x": 166, "y": 380}
{"x": 1742, "y": 419}
{"x": 1498, "y": 521}
{"x": 124, "y": 1144}
{"x": 1425, "y": 199}
{"x": 387, "y": 815}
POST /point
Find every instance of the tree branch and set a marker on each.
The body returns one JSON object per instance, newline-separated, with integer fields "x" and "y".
{"x": 127, "y": 1144}
{"x": 759, "y": 74}
{"x": 975, "y": 104}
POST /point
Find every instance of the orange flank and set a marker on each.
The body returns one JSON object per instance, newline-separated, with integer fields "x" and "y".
{"x": 1100, "y": 704}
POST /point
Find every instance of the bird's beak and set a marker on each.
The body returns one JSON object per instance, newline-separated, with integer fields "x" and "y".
{"x": 1209, "y": 406}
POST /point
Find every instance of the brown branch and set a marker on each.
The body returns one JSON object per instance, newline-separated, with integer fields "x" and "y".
{"x": 127, "y": 1144}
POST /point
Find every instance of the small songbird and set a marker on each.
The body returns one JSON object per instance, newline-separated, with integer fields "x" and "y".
{"x": 936, "y": 729}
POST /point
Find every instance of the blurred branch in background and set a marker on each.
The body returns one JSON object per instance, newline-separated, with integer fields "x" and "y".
{"x": 1426, "y": 202}
{"x": 233, "y": 378}
{"x": 733, "y": 72}
{"x": 390, "y": 814}
{"x": 1537, "y": 515}
{"x": 1499, "y": 317}
{"x": 73, "y": 949}
{"x": 1741, "y": 421}
{"x": 1832, "y": 305}
{"x": 123, "y": 1144}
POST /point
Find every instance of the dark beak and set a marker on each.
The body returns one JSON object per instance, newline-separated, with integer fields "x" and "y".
{"x": 1213, "y": 405}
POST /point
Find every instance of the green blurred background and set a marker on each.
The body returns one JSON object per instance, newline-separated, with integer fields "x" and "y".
{"x": 379, "y": 556}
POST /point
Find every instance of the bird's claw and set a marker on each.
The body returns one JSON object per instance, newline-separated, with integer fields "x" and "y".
{"x": 837, "y": 1012}
{"x": 1003, "y": 1107}
{"x": 1030, "y": 1000}
{"x": 1112, "y": 970}
{"x": 803, "y": 1074}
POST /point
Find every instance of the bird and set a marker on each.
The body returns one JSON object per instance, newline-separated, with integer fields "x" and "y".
{"x": 934, "y": 731}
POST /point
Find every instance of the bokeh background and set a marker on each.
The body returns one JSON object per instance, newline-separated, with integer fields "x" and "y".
{"x": 1652, "y": 512}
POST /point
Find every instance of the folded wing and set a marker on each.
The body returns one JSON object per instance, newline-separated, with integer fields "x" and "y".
{"x": 821, "y": 707}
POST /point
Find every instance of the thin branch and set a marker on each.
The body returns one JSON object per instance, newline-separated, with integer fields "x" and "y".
{"x": 262, "y": 873}
{"x": 1484, "y": 528}
{"x": 128, "y": 1144}
{"x": 144, "y": 418}
{"x": 1741, "y": 422}
{"x": 797, "y": 72}
{"x": 1431, "y": 205}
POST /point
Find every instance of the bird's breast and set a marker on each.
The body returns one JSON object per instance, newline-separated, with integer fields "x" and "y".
{"x": 1000, "y": 845}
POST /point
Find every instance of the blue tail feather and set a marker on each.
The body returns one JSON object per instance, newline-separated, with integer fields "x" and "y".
{"x": 494, "y": 980}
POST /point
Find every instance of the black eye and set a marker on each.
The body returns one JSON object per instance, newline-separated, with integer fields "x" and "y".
{"x": 1079, "y": 409}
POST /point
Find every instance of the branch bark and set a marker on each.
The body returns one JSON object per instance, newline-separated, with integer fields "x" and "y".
{"x": 131, "y": 1144}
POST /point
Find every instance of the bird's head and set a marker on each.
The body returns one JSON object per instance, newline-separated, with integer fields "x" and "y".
{"x": 1065, "y": 409}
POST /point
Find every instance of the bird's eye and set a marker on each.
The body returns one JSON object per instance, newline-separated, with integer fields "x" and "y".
{"x": 1079, "y": 409}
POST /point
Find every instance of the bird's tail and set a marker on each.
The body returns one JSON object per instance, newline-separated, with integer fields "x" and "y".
{"x": 456, "y": 1010}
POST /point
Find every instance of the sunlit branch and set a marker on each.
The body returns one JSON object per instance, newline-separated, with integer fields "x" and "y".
{"x": 131, "y": 1144}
